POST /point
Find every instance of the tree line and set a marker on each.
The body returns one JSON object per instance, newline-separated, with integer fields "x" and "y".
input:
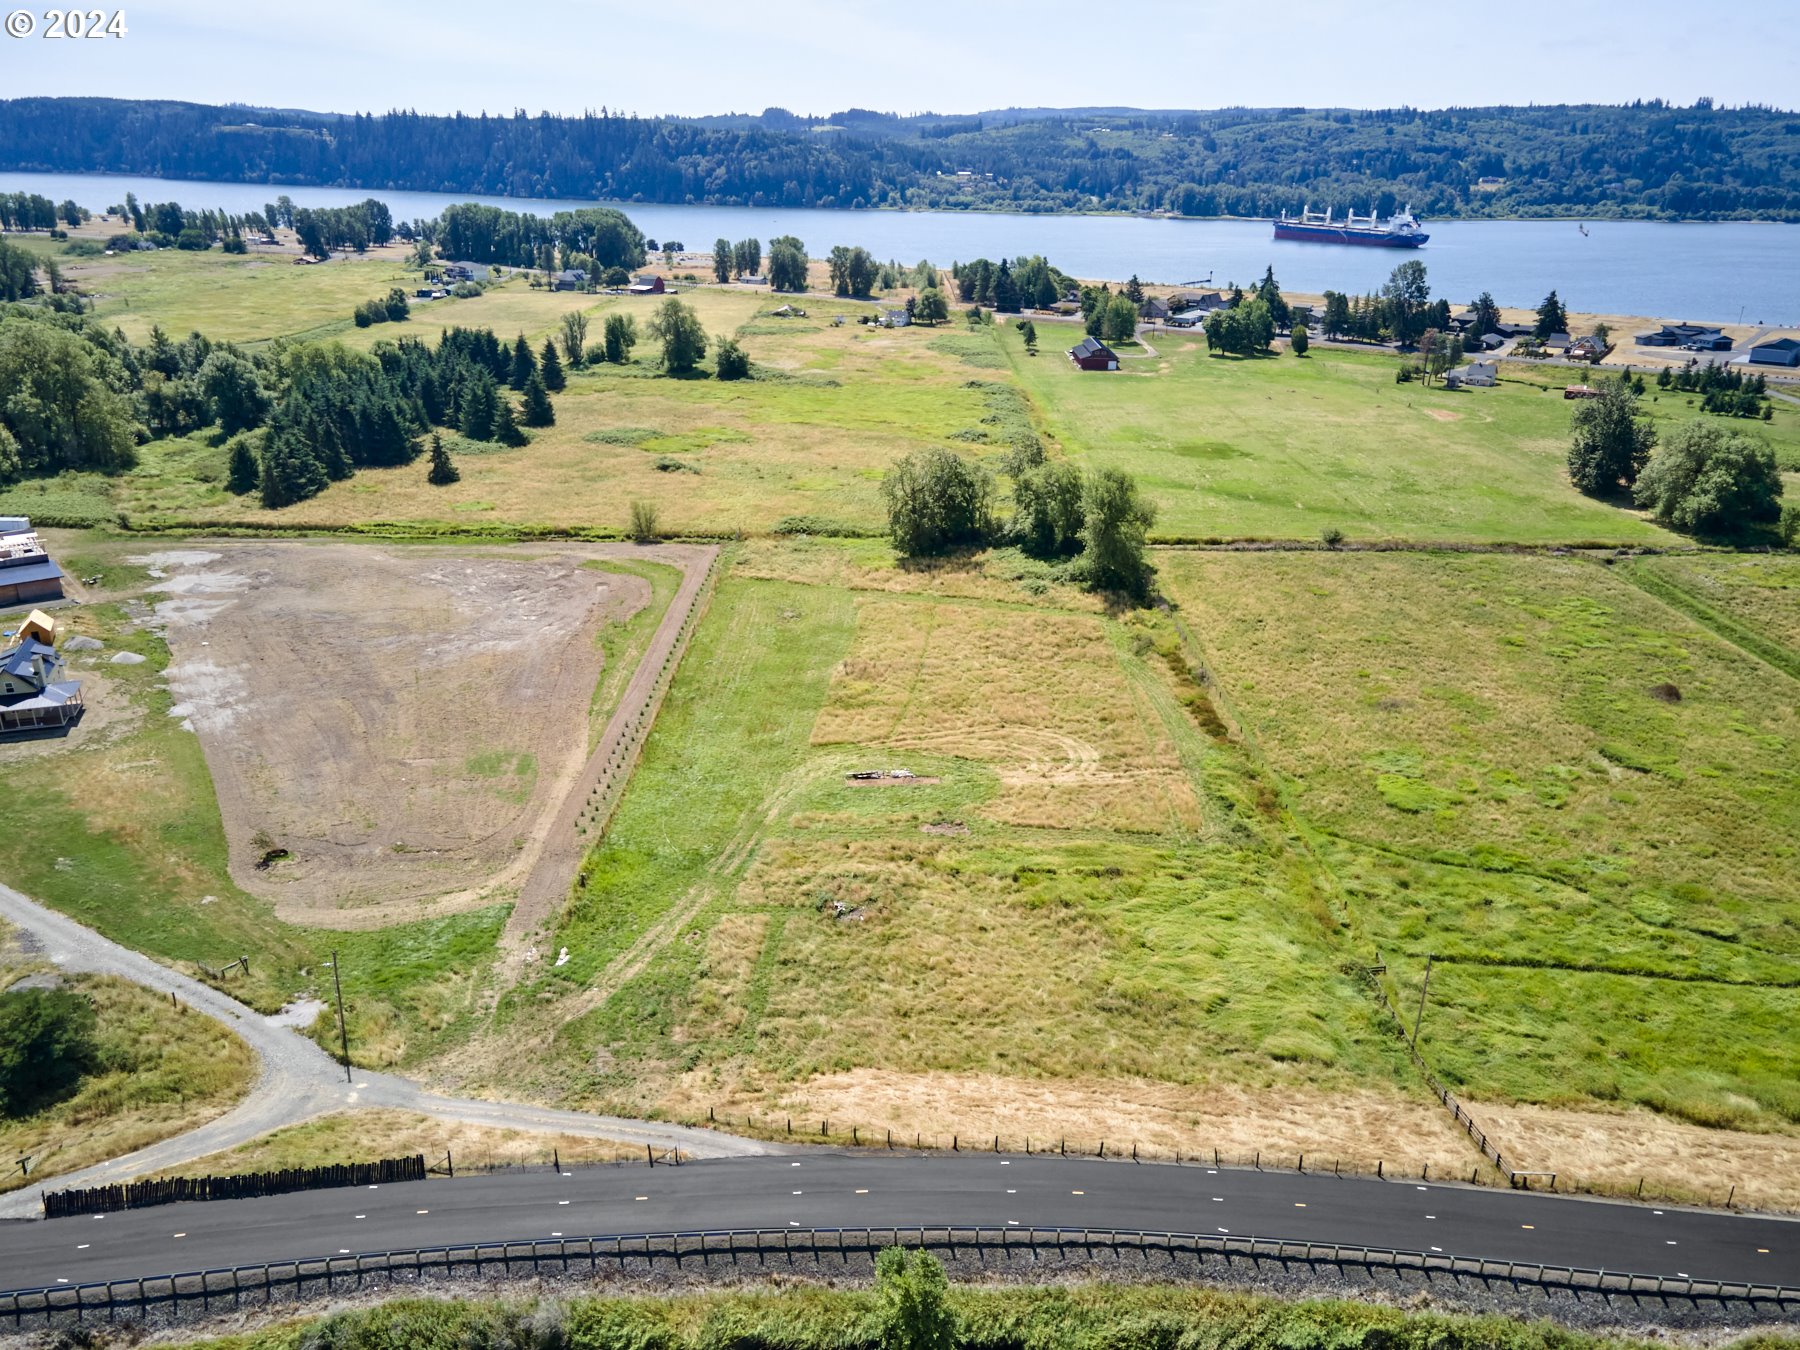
{"x": 1647, "y": 159}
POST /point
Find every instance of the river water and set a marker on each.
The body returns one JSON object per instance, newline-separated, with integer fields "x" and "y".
{"x": 1729, "y": 272}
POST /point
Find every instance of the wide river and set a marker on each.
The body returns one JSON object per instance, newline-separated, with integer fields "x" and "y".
{"x": 1726, "y": 273}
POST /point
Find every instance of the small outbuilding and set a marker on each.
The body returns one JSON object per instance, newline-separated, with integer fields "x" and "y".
{"x": 1093, "y": 354}
{"x": 1780, "y": 352}
{"x": 645, "y": 286}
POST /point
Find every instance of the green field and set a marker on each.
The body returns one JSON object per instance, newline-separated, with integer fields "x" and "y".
{"x": 1580, "y": 800}
{"x": 1284, "y": 447}
{"x": 1278, "y": 447}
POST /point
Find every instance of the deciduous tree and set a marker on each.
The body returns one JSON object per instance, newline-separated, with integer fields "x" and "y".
{"x": 1705, "y": 478}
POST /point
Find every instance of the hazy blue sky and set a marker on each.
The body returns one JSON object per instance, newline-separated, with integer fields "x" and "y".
{"x": 911, "y": 55}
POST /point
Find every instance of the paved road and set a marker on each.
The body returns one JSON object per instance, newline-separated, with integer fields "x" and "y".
{"x": 881, "y": 1190}
{"x": 297, "y": 1081}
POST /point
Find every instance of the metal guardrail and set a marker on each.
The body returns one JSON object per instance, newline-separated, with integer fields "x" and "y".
{"x": 199, "y": 1290}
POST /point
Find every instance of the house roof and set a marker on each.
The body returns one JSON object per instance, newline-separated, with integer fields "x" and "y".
{"x": 23, "y": 573}
{"x": 53, "y": 696}
{"x": 1091, "y": 346}
{"x": 17, "y": 660}
{"x": 1777, "y": 345}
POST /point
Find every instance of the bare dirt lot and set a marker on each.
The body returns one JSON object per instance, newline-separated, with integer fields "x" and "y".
{"x": 402, "y": 721}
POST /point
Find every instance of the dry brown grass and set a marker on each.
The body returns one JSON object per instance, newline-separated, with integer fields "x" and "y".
{"x": 1612, "y": 1149}
{"x": 1352, "y": 1126}
{"x": 363, "y": 1136}
{"x": 871, "y": 565}
{"x": 1040, "y": 696}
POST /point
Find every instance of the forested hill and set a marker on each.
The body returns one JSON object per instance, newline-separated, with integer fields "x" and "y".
{"x": 1646, "y": 160}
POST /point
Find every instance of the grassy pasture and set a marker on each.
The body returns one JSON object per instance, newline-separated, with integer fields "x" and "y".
{"x": 1285, "y": 447}
{"x": 159, "y": 1073}
{"x": 1479, "y": 749}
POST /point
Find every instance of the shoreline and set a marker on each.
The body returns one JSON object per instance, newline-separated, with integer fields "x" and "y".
{"x": 940, "y": 209}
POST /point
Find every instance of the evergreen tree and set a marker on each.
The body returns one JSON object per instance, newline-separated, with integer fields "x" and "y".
{"x": 1006, "y": 292}
{"x": 479, "y": 407}
{"x": 1487, "y": 315}
{"x": 1300, "y": 340}
{"x": 1134, "y": 290}
{"x": 1551, "y": 318}
{"x": 1268, "y": 290}
{"x": 538, "y": 410}
{"x": 506, "y": 425}
{"x": 245, "y": 473}
{"x": 550, "y": 368}
{"x": 524, "y": 364}
{"x": 443, "y": 471}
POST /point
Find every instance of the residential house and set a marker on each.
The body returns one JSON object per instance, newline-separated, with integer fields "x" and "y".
{"x": 1490, "y": 342}
{"x": 28, "y": 576}
{"x": 36, "y": 693}
{"x": 1556, "y": 342}
{"x": 645, "y": 286}
{"x": 572, "y": 280}
{"x": 1590, "y": 349}
{"x": 1780, "y": 352}
{"x": 1692, "y": 337}
{"x": 1482, "y": 374}
{"x": 895, "y": 318}
{"x": 1205, "y": 301}
{"x": 1093, "y": 354}
{"x": 1154, "y": 310}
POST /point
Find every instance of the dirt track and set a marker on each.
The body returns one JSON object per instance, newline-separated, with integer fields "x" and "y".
{"x": 406, "y": 722}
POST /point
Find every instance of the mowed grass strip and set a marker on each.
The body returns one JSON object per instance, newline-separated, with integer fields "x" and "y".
{"x": 1040, "y": 696}
{"x": 1752, "y": 600}
{"x": 1285, "y": 447}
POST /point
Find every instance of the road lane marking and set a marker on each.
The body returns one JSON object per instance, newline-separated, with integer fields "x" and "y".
{"x": 1762, "y": 1251}
{"x": 422, "y": 1211}
{"x": 643, "y": 1197}
{"x": 362, "y": 1216}
{"x": 1011, "y": 1191}
{"x": 1299, "y": 1204}
{"x": 1528, "y": 1225}
{"x": 343, "y": 1251}
{"x": 1077, "y": 1192}
{"x": 793, "y": 1164}
{"x": 180, "y": 1235}
{"x": 1437, "y": 1249}
{"x": 1012, "y": 1223}
{"x": 1005, "y": 1163}
{"x": 1656, "y": 1211}
{"x": 556, "y": 1235}
{"x": 564, "y": 1202}
{"x": 1421, "y": 1188}
{"x": 1218, "y": 1199}
{"x": 83, "y": 1246}
{"x": 1224, "y": 1230}
{"x": 1669, "y": 1243}
{"x": 863, "y": 1192}
{"x": 796, "y": 1192}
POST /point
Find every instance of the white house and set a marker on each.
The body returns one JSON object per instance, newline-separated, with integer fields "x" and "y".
{"x": 1483, "y": 373}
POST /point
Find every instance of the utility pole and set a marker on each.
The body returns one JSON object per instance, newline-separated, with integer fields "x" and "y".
{"x": 337, "y": 978}
{"x": 1423, "y": 990}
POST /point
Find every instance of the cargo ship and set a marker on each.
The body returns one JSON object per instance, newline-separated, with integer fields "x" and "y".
{"x": 1317, "y": 227}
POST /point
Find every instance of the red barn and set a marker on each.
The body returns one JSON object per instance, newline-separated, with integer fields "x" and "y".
{"x": 645, "y": 286}
{"x": 1093, "y": 354}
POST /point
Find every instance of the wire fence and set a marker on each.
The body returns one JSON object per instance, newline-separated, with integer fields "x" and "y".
{"x": 234, "y": 1287}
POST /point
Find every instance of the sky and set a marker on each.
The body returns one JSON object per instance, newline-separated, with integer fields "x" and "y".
{"x": 818, "y": 56}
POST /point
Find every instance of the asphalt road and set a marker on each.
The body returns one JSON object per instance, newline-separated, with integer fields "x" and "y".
{"x": 843, "y": 1190}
